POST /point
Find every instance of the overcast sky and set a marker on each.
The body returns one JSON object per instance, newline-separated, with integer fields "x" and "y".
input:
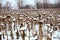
{"x": 13, "y": 2}
{"x": 29, "y": 2}
{"x": 25, "y": 2}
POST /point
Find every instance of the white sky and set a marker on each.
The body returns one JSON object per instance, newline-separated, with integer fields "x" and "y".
{"x": 13, "y": 3}
{"x": 52, "y": 1}
{"x": 25, "y": 2}
{"x": 29, "y": 2}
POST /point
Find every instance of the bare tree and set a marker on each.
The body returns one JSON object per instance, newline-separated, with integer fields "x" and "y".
{"x": 27, "y": 6}
{"x": 7, "y": 5}
{"x": 0, "y": 6}
{"x": 20, "y": 3}
{"x": 39, "y": 5}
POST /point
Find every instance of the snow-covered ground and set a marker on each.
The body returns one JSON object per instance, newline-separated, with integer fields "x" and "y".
{"x": 56, "y": 35}
{"x": 30, "y": 35}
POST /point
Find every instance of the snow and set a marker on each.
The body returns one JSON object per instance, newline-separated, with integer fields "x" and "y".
{"x": 0, "y": 33}
{"x": 30, "y": 34}
{"x": 56, "y": 35}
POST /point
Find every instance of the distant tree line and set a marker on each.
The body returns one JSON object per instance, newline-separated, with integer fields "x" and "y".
{"x": 38, "y": 6}
{"x": 45, "y": 5}
{"x": 0, "y": 6}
